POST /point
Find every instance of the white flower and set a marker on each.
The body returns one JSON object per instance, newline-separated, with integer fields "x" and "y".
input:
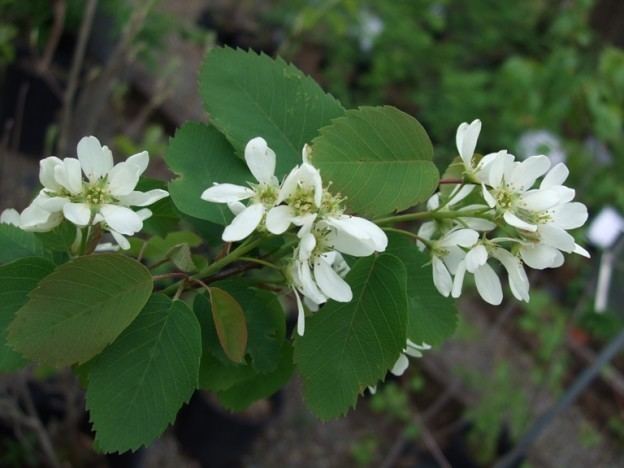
{"x": 429, "y": 228}
{"x": 260, "y": 160}
{"x": 10, "y": 216}
{"x": 466, "y": 141}
{"x": 543, "y": 248}
{"x": 317, "y": 274}
{"x": 302, "y": 191}
{"x": 353, "y": 235}
{"x": 411, "y": 349}
{"x": 507, "y": 187}
{"x": 104, "y": 197}
{"x": 447, "y": 254}
{"x": 487, "y": 281}
{"x": 400, "y": 366}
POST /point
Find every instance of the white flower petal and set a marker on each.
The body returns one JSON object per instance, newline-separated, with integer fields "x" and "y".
{"x": 47, "y": 173}
{"x": 570, "y": 215}
{"x": 462, "y": 237}
{"x": 556, "y": 176}
{"x": 69, "y": 175}
{"x": 123, "y": 178}
{"x": 143, "y": 198}
{"x": 94, "y": 160}
{"x": 279, "y": 219}
{"x": 476, "y": 257}
{"x": 529, "y": 170}
{"x": 488, "y": 197}
{"x": 539, "y": 256}
{"x": 226, "y": 193}
{"x": 140, "y": 160}
{"x": 300, "y": 314}
{"x": 305, "y": 176}
{"x": 581, "y": 251}
{"x": 120, "y": 239}
{"x": 478, "y": 224}
{"x": 244, "y": 223}
{"x": 460, "y": 193}
{"x": 235, "y": 207}
{"x": 511, "y": 219}
{"x": 556, "y": 237}
{"x": 77, "y": 213}
{"x": 500, "y": 165}
{"x": 306, "y": 246}
{"x": 362, "y": 228}
{"x": 144, "y": 213}
{"x": 441, "y": 277}
{"x": 453, "y": 258}
{"x": 261, "y": 160}
{"x": 466, "y": 140}
{"x": 330, "y": 283}
{"x": 518, "y": 280}
{"x": 10, "y": 216}
{"x": 458, "y": 280}
{"x": 308, "y": 285}
{"x": 51, "y": 204}
{"x": 400, "y": 366}
{"x": 539, "y": 200}
{"x": 121, "y": 219}
{"x": 488, "y": 285}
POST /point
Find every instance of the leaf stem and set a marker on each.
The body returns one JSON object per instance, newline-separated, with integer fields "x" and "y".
{"x": 219, "y": 264}
{"x": 409, "y": 234}
{"x": 427, "y": 215}
{"x": 259, "y": 261}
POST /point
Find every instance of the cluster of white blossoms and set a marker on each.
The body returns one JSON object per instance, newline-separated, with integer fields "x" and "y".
{"x": 324, "y": 231}
{"x": 102, "y": 197}
{"x": 523, "y": 201}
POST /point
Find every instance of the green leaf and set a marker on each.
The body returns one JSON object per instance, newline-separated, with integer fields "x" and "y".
{"x": 80, "y": 308}
{"x": 243, "y": 393}
{"x": 157, "y": 247}
{"x": 17, "y": 279}
{"x": 216, "y": 371}
{"x": 138, "y": 384}
{"x": 432, "y": 318}
{"x": 59, "y": 239}
{"x": 379, "y": 158}
{"x": 15, "y": 243}
{"x": 249, "y": 95}
{"x": 182, "y": 258}
{"x": 201, "y": 156}
{"x": 230, "y": 323}
{"x": 266, "y": 323}
{"x": 349, "y": 346}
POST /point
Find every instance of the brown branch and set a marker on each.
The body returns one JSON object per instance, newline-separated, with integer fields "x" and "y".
{"x": 59, "y": 7}
{"x": 74, "y": 73}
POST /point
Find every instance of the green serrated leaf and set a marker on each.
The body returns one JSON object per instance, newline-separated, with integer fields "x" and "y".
{"x": 138, "y": 384}
{"x": 17, "y": 279}
{"x": 80, "y": 308}
{"x": 243, "y": 393}
{"x": 266, "y": 323}
{"x": 379, "y": 158}
{"x": 15, "y": 243}
{"x": 249, "y": 95}
{"x": 432, "y": 318}
{"x": 230, "y": 324}
{"x": 349, "y": 346}
{"x": 201, "y": 156}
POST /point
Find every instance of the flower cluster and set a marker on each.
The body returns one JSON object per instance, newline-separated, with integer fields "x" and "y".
{"x": 324, "y": 232}
{"x": 102, "y": 197}
{"x": 524, "y": 202}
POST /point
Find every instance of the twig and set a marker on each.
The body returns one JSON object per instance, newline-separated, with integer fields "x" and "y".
{"x": 93, "y": 100}
{"x": 72, "y": 84}
{"x": 59, "y": 7}
{"x": 431, "y": 443}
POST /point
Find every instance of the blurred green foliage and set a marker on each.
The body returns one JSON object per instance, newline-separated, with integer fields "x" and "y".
{"x": 535, "y": 64}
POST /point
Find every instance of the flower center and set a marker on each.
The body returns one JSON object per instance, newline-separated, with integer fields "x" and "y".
{"x": 302, "y": 201}
{"x": 266, "y": 194}
{"x": 332, "y": 204}
{"x": 96, "y": 194}
{"x": 506, "y": 197}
